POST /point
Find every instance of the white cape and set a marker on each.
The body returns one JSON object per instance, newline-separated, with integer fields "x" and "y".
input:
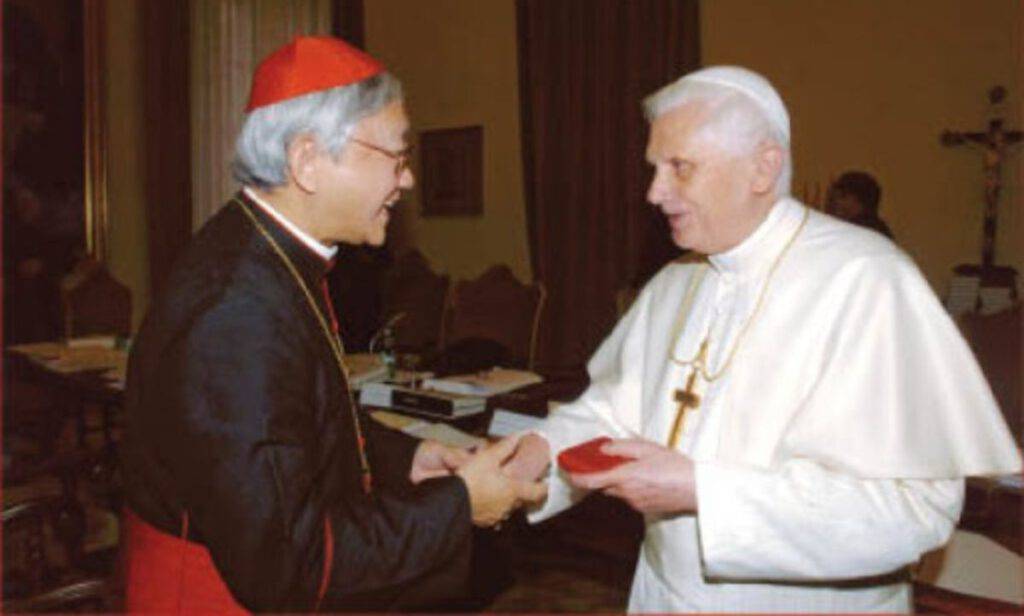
{"x": 833, "y": 445}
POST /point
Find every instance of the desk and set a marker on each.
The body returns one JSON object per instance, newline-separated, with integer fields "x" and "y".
{"x": 95, "y": 374}
{"x": 77, "y": 377}
{"x": 996, "y": 510}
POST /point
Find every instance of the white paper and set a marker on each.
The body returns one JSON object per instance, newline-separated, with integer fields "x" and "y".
{"x": 444, "y": 434}
{"x": 505, "y": 423}
{"x": 486, "y": 383}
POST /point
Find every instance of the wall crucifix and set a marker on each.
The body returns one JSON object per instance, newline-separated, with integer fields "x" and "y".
{"x": 995, "y": 143}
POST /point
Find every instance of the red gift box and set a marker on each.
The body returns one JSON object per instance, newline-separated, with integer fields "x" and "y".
{"x": 587, "y": 457}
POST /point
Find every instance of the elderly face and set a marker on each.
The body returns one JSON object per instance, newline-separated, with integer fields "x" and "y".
{"x": 710, "y": 196}
{"x": 362, "y": 184}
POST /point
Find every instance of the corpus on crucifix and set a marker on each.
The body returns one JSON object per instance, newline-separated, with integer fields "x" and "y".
{"x": 995, "y": 143}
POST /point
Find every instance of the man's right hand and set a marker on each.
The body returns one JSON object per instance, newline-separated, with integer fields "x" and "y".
{"x": 492, "y": 493}
{"x": 531, "y": 459}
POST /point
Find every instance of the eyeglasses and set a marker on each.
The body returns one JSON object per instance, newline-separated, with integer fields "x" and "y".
{"x": 401, "y": 157}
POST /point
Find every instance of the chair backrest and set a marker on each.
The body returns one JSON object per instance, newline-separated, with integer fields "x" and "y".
{"x": 496, "y": 307}
{"x": 35, "y": 577}
{"x": 94, "y": 303}
{"x": 996, "y": 342}
{"x": 412, "y": 289}
{"x": 624, "y": 299}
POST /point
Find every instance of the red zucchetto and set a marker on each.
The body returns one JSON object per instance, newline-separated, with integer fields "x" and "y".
{"x": 308, "y": 64}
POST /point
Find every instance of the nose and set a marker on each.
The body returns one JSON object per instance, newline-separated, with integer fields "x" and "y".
{"x": 656, "y": 191}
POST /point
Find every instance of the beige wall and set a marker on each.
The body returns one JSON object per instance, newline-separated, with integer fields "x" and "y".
{"x": 457, "y": 61}
{"x": 127, "y": 248}
{"x": 871, "y": 84}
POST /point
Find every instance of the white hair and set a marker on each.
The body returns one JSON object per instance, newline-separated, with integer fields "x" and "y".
{"x": 735, "y": 121}
{"x": 261, "y": 150}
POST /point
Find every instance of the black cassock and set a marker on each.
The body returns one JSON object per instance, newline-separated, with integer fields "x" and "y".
{"x": 237, "y": 416}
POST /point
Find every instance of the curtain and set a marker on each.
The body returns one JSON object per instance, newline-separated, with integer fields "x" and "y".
{"x": 585, "y": 66}
{"x": 165, "y": 26}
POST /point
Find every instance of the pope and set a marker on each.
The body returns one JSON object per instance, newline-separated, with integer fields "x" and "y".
{"x": 797, "y": 410}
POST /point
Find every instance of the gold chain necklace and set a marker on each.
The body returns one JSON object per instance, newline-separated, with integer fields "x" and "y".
{"x": 699, "y": 360}
{"x": 333, "y": 340}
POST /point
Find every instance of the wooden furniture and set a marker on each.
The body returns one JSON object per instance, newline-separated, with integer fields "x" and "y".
{"x": 35, "y": 578}
{"x": 94, "y": 303}
{"x": 933, "y": 600}
{"x": 496, "y": 307}
{"x": 414, "y": 296}
{"x": 995, "y": 510}
{"x": 996, "y": 342}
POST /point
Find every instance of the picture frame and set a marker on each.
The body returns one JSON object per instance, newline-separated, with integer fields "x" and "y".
{"x": 451, "y": 179}
{"x": 55, "y": 125}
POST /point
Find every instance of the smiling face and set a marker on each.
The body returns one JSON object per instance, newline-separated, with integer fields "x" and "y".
{"x": 713, "y": 198}
{"x": 357, "y": 188}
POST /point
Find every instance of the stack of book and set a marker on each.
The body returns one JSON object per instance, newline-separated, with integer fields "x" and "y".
{"x": 484, "y": 383}
{"x": 420, "y": 401}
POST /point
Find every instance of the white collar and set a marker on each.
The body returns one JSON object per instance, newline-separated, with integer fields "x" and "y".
{"x": 326, "y": 252}
{"x": 760, "y": 246}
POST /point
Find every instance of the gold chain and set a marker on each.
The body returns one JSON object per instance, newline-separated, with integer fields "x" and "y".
{"x": 333, "y": 340}
{"x": 698, "y": 361}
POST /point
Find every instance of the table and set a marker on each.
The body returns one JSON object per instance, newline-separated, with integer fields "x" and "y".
{"x": 995, "y": 509}
{"x": 78, "y": 377}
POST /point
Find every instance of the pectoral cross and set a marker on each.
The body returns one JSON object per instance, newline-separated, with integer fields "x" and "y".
{"x": 686, "y": 398}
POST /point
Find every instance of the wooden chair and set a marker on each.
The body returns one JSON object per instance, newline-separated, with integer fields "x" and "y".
{"x": 996, "y": 342}
{"x": 94, "y": 303}
{"x": 46, "y": 566}
{"x": 414, "y": 297}
{"x": 624, "y": 299}
{"x": 496, "y": 308}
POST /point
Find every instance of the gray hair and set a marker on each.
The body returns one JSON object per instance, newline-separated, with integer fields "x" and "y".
{"x": 261, "y": 151}
{"x": 735, "y": 121}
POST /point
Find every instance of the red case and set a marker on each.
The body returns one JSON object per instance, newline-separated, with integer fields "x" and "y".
{"x": 587, "y": 457}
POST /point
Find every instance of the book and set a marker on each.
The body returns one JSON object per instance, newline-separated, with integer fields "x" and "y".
{"x": 422, "y": 429}
{"x": 995, "y": 299}
{"x": 365, "y": 368}
{"x": 436, "y": 403}
{"x": 506, "y": 422}
{"x": 963, "y": 294}
{"x": 485, "y": 383}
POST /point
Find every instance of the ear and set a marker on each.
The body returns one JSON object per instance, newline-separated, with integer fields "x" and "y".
{"x": 303, "y": 159}
{"x": 767, "y": 168}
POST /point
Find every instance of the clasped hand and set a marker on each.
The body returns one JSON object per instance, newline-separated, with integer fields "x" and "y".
{"x": 658, "y": 480}
{"x": 493, "y": 494}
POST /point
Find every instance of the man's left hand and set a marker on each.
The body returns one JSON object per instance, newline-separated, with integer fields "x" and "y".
{"x": 659, "y": 480}
{"x": 432, "y": 459}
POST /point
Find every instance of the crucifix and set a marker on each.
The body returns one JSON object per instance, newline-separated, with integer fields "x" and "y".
{"x": 995, "y": 141}
{"x": 686, "y": 398}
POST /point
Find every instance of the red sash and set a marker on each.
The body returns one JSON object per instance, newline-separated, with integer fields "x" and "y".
{"x": 164, "y": 573}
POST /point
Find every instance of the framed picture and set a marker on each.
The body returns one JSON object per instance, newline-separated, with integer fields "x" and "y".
{"x": 54, "y": 163}
{"x": 451, "y": 161}
{"x": 54, "y": 133}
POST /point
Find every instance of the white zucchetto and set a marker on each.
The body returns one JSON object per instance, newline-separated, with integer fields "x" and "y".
{"x": 754, "y": 86}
